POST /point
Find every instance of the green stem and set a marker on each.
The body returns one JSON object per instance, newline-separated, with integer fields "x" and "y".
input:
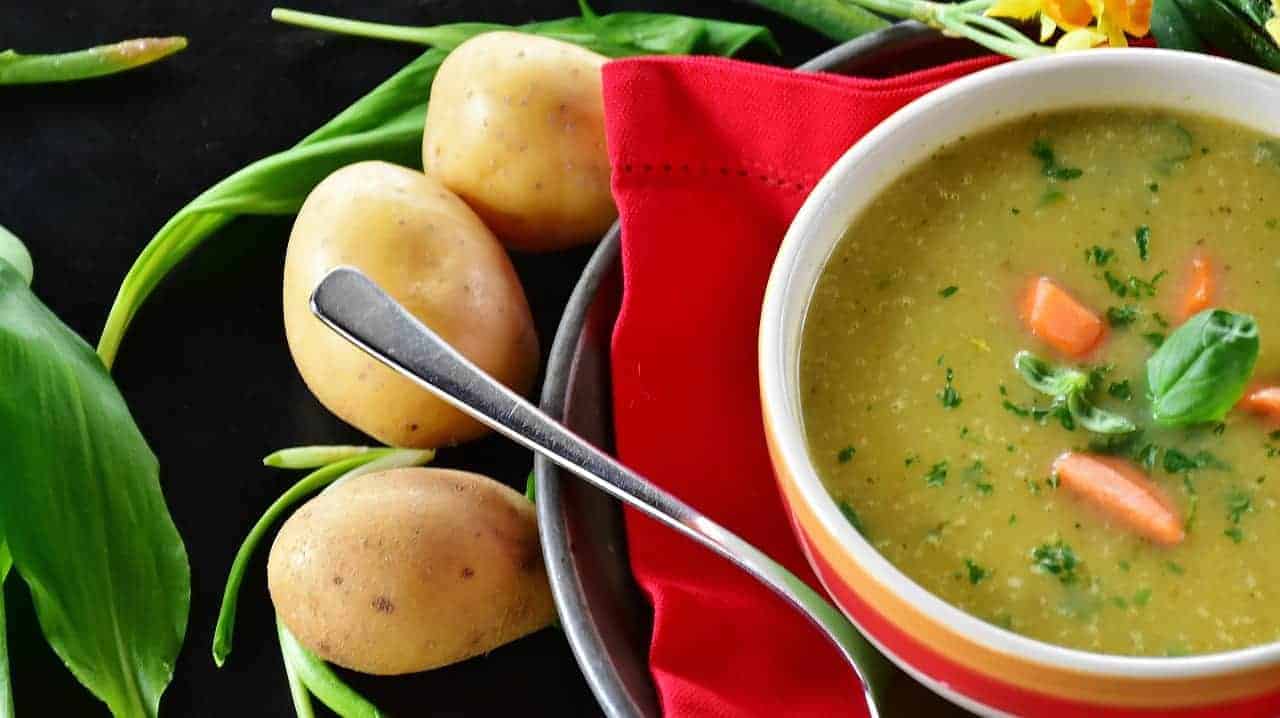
{"x": 16, "y": 69}
{"x": 343, "y": 26}
{"x": 312, "y": 457}
{"x": 6, "y": 686}
{"x": 998, "y": 28}
{"x": 374, "y": 459}
{"x": 837, "y": 19}
{"x": 321, "y": 680}
{"x": 297, "y": 689}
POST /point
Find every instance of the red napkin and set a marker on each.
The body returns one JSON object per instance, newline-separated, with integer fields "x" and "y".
{"x": 711, "y": 159}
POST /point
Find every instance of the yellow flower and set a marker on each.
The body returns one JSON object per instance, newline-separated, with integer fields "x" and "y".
{"x": 1086, "y": 23}
{"x": 1081, "y": 39}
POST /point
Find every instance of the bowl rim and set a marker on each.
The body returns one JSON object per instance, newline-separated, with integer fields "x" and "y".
{"x": 787, "y": 435}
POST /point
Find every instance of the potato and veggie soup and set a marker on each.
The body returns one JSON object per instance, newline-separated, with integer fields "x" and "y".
{"x": 1035, "y": 373}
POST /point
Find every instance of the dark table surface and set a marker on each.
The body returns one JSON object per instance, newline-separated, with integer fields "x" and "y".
{"x": 89, "y": 171}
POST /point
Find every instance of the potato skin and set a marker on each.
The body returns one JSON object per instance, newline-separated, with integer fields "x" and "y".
{"x": 515, "y": 127}
{"x": 430, "y": 252}
{"x": 410, "y": 569}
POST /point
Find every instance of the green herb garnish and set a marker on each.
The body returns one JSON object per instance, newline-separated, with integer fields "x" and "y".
{"x": 949, "y": 397}
{"x": 1056, "y": 559}
{"x": 852, "y": 517}
{"x": 1069, "y": 388}
{"x": 937, "y": 474}
{"x": 1142, "y": 238}
{"x": 1042, "y": 150}
{"x": 1122, "y": 316}
{"x": 948, "y": 291}
{"x": 1200, "y": 371}
{"x": 1176, "y": 462}
{"x": 845, "y": 455}
{"x": 976, "y": 572}
{"x": 1098, "y": 256}
{"x": 1120, "y": 390}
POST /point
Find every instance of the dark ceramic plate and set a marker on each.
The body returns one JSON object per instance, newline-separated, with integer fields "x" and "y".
{"x": 606, "y": 618}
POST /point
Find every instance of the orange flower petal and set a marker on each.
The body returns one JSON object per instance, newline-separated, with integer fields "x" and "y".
{"x": 1131, "y": 16}
{"x": 1069, "y": 14}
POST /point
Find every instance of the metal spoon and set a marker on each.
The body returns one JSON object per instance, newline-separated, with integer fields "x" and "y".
{"x": 353, "y": 306}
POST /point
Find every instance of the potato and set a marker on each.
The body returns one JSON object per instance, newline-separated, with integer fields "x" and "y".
{"x": 433, "y": 255}
{"x": 515, "y": 127}
{"x": 410, "y": 569}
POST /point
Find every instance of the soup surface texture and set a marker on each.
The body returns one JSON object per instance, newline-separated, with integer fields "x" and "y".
{"x": 940, "y": 453}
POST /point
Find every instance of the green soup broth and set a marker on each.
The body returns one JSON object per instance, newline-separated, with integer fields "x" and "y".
{"x": 950, "y": 480}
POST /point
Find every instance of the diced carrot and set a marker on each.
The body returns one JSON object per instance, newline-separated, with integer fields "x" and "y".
{"x": 1122, "y": 492}
{"x": 1263, "y": 400}
{"x": 1060, "y": 319}
{"x": 1199, "y": 286}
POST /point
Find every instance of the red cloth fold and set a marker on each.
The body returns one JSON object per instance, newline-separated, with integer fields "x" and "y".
{"x": 711, "y": 159}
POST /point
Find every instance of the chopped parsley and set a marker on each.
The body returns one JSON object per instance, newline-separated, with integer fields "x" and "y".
{"x": 1053, "y": 481}
{"x": 1176, "y": 462}
{"x": 937, "y": 474}
{"x": 1097, "y": 255}
{"x": 852, "y": 517}
{"x": 975, "y": 474}
{"x": 911, "y": 459}
{"x": 1155, "y": 339}
{"x": 976, "y": 572}
{"x": 949, "y": 397}
{"x": 1238, "y": 503}
{"x": 1121, "y": 316}
{"x": 1133, "y": 286}
{"x": 1154, "y": 187}
{"x": 948, "y": 291}
{"x": 1234, "y": 533}
{"x": 845, "y": 455}
{"x": 1056, "y": 559}
{"x": 1175, "y": 568}
{"x": 1159, "y": 319}
{"x": 1049, "y": 166}
{"x": 1142, "y": 238}
{"x": 1142, "y": 597}
{"x": 1120, "y": 390}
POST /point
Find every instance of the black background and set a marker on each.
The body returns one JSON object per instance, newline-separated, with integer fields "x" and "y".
{"x": 88, "y": 173}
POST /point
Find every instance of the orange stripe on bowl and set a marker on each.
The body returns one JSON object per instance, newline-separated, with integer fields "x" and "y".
{"x": 1003, "y": 680}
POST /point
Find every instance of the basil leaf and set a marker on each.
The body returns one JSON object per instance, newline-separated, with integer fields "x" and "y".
{"x": 82, "y": 512}
{"x": 1048, "y": 379}
{"x": 1099, "y": 421}
{"x": 385, "y": 124}
{"x": 1200, "y": 371}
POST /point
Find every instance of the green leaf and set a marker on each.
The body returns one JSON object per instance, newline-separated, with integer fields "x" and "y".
{"x": 1201, "y": 369}
{"x": 1171, "y": 28}
{"x": 385, "y": 124}
{"x": 82, "y": 511}
{"x": 1231, "y": 33}
{"x": 13, "y": 251}
{"x": 321, "y": 680}
{"x": 531, "y": 488}
{"x": 97, "y": 61}
{"x": 1099, "y": 421}
{"x": 1048, "y": 379}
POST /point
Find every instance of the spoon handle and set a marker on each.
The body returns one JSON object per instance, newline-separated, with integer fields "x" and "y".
{"x": 353, "y": 306}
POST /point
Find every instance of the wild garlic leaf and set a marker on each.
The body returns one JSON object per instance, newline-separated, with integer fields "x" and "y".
{"x": 13, "y": 251}
{"x": 385, "y": 124}
{"x": 1201, "y": 369}
{"x": 6, "y": 686}
{"x": 82, "y": 512}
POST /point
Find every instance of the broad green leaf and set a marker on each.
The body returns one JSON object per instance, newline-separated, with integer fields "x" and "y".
{"x": 1171, "y": 28}
{"x": 13, "y": 251}
{"x": 1201, "y": 369}
{"x": 82, "y": 511}
{"x": 1231, "y": 33}
{"x": 385, "y": 124}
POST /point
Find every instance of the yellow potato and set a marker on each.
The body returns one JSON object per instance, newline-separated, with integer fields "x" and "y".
{"x": 433, "y": 255}
{"x": 410, "y": 569}
{"x": 515, "y": 127}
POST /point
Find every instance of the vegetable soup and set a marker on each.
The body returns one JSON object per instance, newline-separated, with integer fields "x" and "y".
{"x": 1035, "y": 374}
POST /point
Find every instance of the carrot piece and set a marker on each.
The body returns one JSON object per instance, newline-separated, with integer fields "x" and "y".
{"x": 1264, "y": 400}
{"x": 1122, "y": 492}
{"x": 1199, "y": 286}
{"x": 1060, "y": 319}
